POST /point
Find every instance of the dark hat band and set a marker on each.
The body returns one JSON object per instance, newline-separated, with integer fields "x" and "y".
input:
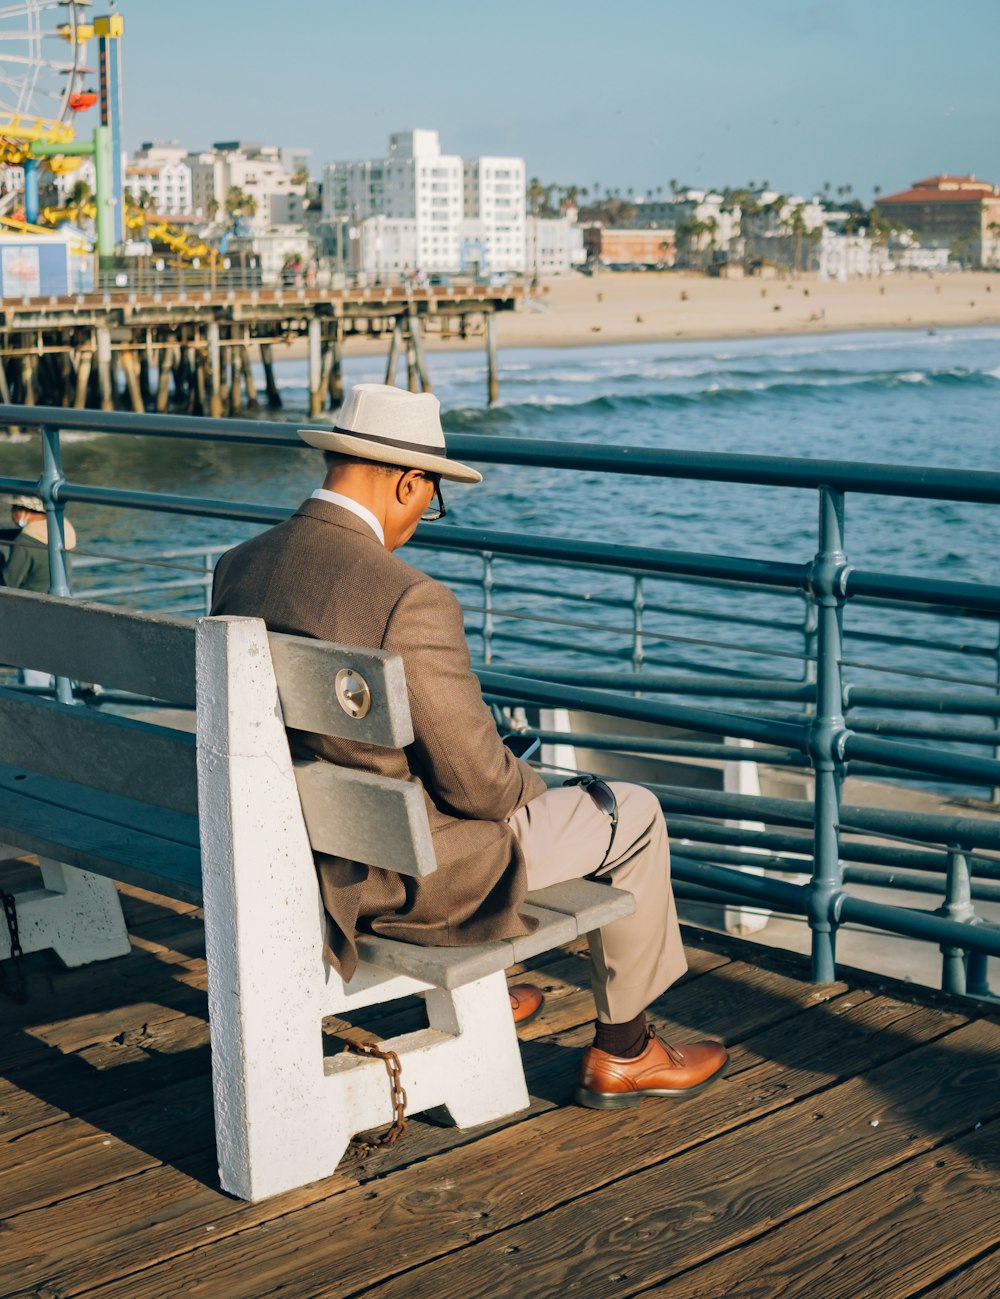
{"x": 420, "y": 447}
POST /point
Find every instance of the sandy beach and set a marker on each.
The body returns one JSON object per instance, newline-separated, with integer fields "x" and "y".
{"x": 623, "y": 307}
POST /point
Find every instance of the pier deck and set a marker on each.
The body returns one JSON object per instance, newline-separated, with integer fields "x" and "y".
{"x": 189, "y": 348}
{"x": 851, "y": 1150}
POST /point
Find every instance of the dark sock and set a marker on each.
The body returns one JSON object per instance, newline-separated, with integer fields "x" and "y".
{"x": 625, "y": 1040}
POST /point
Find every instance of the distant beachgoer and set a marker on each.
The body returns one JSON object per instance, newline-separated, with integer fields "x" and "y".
{"x": 26, "y": 558}
{"x": 329, "y": 572}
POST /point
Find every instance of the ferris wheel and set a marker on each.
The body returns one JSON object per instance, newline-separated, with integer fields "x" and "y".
{"x": 42, "y": 45}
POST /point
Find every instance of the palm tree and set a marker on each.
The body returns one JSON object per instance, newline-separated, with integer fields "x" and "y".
{"x": 536, "y": 195}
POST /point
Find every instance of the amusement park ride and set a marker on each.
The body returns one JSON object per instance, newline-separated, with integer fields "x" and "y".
{"x": 45, "y": 85}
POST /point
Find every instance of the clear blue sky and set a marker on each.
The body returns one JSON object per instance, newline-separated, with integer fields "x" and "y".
{"x": 635, "y": 93}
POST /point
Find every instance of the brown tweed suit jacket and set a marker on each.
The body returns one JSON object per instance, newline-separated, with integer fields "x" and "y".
{"x": 323, "y": 573}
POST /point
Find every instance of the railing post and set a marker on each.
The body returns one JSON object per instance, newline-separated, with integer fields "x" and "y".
{"x": 995, "y": 791}
{"x": 809, "y": 627}
{"x": 638, "y": 604}
{"x": 48, "y": 489}
{"x": 957, "y": 906}
{"x": 827, "y": 732}
{"x": 487, "y": 607}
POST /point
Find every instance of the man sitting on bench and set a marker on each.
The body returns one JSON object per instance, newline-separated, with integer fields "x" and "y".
{"x": 330, "y": 572}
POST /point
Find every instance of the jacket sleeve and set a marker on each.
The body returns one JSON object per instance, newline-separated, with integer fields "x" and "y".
{"x": 456, "y": 750}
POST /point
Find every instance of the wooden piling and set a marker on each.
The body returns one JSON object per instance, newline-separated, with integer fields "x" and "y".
{"x": 83, "y": 378}
{"x": 273, "y": 392}
{"x": 200, "y": 392}
{"x": 411, "y": 360}
{"x": 315, "y": 335}
{"x": 132, "y": 380}
{"x": 418, "y": 354}
{"x": 213, "y": 374}
{"x": 393, "y": 361}
{"x": 163, "y": 379}
{"x": 336, "y": 369}
{"x": 235, "y": 392}
{"x": 67, "y": 376}
{"x": 29, "y": 383}
{"x": 253, "y": 401}
{"x": 492, "y": 381}
{"x": 103, "y": 349}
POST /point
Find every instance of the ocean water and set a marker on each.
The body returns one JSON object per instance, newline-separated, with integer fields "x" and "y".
{"x": 914, "y": 398}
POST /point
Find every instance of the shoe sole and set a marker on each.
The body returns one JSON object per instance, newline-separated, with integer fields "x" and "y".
{"x": 627, "y": 1100}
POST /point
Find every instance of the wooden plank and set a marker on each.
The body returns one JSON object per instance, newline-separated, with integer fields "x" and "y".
{"x": 892, "y": 1236}
{"x": 306, "y": 672}
{"x": 79, "y": 1155}
{"x": 494, "y": 1191}
{"x": 661, "y": 1221}
{"x": 366, "y": 818}
{"x": 152, "y": 764}
{"x": 134, "y": 1062}
{"x": 42, "y": 826}
{"x": 980, "y": 1280}
{"x": 145, "y": 653}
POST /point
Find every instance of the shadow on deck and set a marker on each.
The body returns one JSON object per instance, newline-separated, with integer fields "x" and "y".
{"x": 852, "y": 1149}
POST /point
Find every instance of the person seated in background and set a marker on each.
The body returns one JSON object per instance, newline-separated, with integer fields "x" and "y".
{"x": 25, "y": 549}
{"x": 330, "y": 572}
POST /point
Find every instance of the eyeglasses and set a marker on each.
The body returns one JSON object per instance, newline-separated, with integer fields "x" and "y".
{"x": 604, "y": 797}
{"x": 434, "y": 512}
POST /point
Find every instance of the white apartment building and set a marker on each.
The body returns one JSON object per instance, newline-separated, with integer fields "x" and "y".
{"x": 553, "y": 245}
{"x": 448, "y": 214}
{"x": 159, "y": 170}
{"x": 494, "y": 192}
{"x": 257, "y": 170}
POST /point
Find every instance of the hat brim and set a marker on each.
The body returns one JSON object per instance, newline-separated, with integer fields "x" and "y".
{"x": 326, "y": 439}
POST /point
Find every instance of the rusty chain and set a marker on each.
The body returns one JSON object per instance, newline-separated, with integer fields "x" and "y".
{"x": 397, "y": 1096}
{"x": 19, "y": 992}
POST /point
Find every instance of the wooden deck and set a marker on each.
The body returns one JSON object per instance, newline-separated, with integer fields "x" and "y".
{"x": 851, "y": 1151}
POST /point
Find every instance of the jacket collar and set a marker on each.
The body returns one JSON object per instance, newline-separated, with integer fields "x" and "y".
{"x": 327, "y": 512}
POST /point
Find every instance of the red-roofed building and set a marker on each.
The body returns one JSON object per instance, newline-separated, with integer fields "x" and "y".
{"x": 960, "y": 213}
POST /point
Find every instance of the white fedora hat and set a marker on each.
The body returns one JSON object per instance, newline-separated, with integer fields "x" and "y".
{"x": 378, "y": 422}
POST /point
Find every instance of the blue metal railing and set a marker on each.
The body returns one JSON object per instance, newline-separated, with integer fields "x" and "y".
{"x": 806, "y": 724}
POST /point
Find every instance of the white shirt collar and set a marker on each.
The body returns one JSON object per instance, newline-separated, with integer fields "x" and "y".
{"x": 348, "y": 503}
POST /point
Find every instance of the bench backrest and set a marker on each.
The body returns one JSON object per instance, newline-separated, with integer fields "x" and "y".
{"x": 322, "y": 688}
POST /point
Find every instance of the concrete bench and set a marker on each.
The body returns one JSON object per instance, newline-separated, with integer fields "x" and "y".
{"x": 226, "y": 819}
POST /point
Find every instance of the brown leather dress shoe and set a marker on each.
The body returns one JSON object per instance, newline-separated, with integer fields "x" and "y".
{"x": 525, "y": 1002}
{"x": 612, "y": 1082}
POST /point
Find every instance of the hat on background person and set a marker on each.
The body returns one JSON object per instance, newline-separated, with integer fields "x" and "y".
{"x": 392, "y": 426}
{"x": 34, "y": 504}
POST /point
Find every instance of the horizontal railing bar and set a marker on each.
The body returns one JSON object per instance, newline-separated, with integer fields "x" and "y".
{"x": 879, "y": 771}
{"x": 649, "y": 606}
{"x": 925, "y": 730}
{"x": 907, "y": 880}
{"x": 202, "y": 429}
{"x": 771, "y": 471}
{"x": 915, "y": 757}
{"x": 851, "y": 849}
{"x": 967, "y": 595}
{"x": 919, "y": 924}
{"x": 669, "y": 748}
{"x": 774, "y": 471}
{"x": 597, "y": 679}
{"x": 918, "y": 827}
{"x": 603, "y": 555}
{"x": 899, "y": 920}
{"x": 528, "y": 691}
{"x": 920, "y": 701}
{"x": 880, "y": 877}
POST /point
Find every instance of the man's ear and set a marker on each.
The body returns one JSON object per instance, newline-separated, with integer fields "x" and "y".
{"x": 404, "y": 485}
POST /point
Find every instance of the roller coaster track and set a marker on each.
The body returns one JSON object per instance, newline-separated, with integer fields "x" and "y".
{"x": 19, "y": 132}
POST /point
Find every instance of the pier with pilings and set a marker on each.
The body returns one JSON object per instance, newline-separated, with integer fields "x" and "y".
{"x": 192, "y": 351}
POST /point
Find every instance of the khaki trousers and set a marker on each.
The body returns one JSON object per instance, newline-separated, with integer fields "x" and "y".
{"x": 564, "y": 835}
